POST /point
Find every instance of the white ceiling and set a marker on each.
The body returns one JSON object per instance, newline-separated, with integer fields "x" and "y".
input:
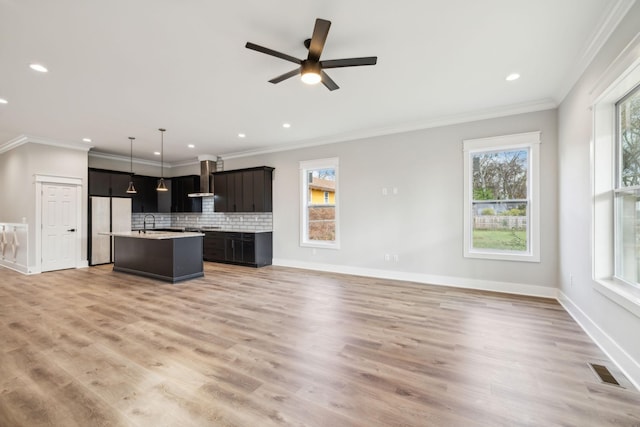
{"x": 123, "y": 68}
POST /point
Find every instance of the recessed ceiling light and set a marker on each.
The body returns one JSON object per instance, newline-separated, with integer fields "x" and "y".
{"x": 3, "y": 101}
{"x": 513, "y": 76}
{"x": 38, "y": 67}
{"x": 191, "y": 146}
{"x": 241, "y": 135}
{"x": 86, "y": 139}
{"x": 156, "y": 153}
{"x": 286, "y": 125}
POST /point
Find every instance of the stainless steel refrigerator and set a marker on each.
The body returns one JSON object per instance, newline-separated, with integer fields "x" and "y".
{"x": 108, "y": 215}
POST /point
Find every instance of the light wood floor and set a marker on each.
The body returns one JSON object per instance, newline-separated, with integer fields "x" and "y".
{"x": 286, "y": 347}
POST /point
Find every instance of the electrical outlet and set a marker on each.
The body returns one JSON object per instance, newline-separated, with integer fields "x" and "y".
{"x": 385, "y": 191}
{"x": 396, "y": 257}
{"x": 395, "y": 191}
{"x": 387, "y": 257}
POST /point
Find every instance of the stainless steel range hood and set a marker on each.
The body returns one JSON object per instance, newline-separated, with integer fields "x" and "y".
{"x": 207, "y": 167}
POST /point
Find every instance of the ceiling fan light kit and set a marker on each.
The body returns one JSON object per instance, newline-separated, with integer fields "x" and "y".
{"x": 311, "y": 70}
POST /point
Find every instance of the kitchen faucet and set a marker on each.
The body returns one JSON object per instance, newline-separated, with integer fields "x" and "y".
{"x": 144, "y": 222}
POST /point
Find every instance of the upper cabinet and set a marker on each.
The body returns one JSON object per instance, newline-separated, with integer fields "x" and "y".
{"x": 99, "y": 182}
{"x": 114, "y": 184}
{"x": 181, "y": 186}
{"x": 243, "y": 190}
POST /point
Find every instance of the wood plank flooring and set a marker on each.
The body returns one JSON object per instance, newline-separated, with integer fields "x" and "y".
{"x": 286, "y": 347}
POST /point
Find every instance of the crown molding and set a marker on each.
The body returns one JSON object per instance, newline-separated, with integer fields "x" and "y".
{"x": 30, "y": 139}
{"x": 607, "y": 25}
{"x": 489, "y": 113}
{"x": 118, "y": 158}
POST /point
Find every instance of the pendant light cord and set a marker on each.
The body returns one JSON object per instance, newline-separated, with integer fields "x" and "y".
{"x": 131, "y": 156}
{"x": 162, "y": 152}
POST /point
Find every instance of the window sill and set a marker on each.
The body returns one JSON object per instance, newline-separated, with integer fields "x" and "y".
{"x": 320, "y": 245}
{"x": 503, "y": 256}
{"x": 624, "y": 295}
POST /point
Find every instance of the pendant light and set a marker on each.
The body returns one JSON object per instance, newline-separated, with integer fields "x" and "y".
{"x": 131, "y": 189}
{"x": 161, "y": 184}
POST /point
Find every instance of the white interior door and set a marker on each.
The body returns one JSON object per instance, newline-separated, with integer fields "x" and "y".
{"x": 60, "y": 245}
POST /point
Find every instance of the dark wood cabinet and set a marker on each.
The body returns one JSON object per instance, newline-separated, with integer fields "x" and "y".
{"x": 163, "y": 197}
{"x": 214, "y": 246}
{"x": 119, "y": 184}
{"x": 146, "y": 199}
{"x": 243, "y": 190}
{"x": 108, "y": 183}
{"x": 99, "y": 183}
{"x": 181, "y": 186}
{"x": 221, "y": 195}
{"x": 241, "y": 248}
{"x": 233, "y": 247}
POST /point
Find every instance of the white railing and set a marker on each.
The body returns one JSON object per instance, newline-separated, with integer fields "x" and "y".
{"x": 14, "y": 250}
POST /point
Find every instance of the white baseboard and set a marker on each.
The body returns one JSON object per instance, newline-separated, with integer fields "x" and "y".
{"x": 83, "y": 264}
{"x": 629, "y": 367}
{"x": 15, "y": 267}
{"x": 456, "y": 282}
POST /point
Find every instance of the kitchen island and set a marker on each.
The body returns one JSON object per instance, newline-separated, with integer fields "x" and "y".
{"x": 163, "y": 255}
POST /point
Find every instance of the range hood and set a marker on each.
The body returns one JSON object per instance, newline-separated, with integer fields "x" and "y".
{"x": 207, "y": 167}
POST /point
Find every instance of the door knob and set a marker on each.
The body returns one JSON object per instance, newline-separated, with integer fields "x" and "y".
{"x": 72, "y": 230}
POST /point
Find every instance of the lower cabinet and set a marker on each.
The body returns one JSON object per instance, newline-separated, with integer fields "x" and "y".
{"x": 252, "y": 249}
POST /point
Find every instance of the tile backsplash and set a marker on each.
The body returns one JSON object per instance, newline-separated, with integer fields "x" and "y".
{"x": 257, "y": 221}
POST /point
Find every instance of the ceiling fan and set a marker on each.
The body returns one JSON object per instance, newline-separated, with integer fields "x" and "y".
{"x": 311, "y": 70}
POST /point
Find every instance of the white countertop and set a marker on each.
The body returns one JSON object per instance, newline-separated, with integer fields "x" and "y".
{"x": 155, "y": 235}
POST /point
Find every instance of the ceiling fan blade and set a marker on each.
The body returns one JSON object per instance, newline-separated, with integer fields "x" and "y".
{"x": 349, "y": 62}
{"x": 328, "y": 82}
{"x": 319, "y": 37}
{"x": 272, "y": 52}
{"x": 285, "y": 76}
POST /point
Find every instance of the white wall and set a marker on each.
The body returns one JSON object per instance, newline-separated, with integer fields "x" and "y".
{"x": 145, "y": 168}
{"x": 615, "y": 328}
{"x": 18, "y": 168}
{"x": 423, "y": 223}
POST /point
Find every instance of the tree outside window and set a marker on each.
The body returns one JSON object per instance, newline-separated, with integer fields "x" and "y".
{"x": 500, "y": 200}
{"x": 627, "y": 191}
{"x": 501, "y": 210}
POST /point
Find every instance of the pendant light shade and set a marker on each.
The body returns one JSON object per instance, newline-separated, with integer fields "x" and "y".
{"x": 131, "y": 189}
{"x": 161, "y": 185}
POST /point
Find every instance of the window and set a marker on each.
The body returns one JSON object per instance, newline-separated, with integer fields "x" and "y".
{"x": 615, "y": 185}
{"x": 627, "y": 189}
{"x": 501, "y": 197}
{"x": 319, "y": 207}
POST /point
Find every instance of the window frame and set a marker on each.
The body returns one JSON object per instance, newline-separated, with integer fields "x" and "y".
{"x": 305, "y": 198}
{"x": 619, "y": 81}
{"x": 620, "y": 190}
{"x": 530, "y": 141}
